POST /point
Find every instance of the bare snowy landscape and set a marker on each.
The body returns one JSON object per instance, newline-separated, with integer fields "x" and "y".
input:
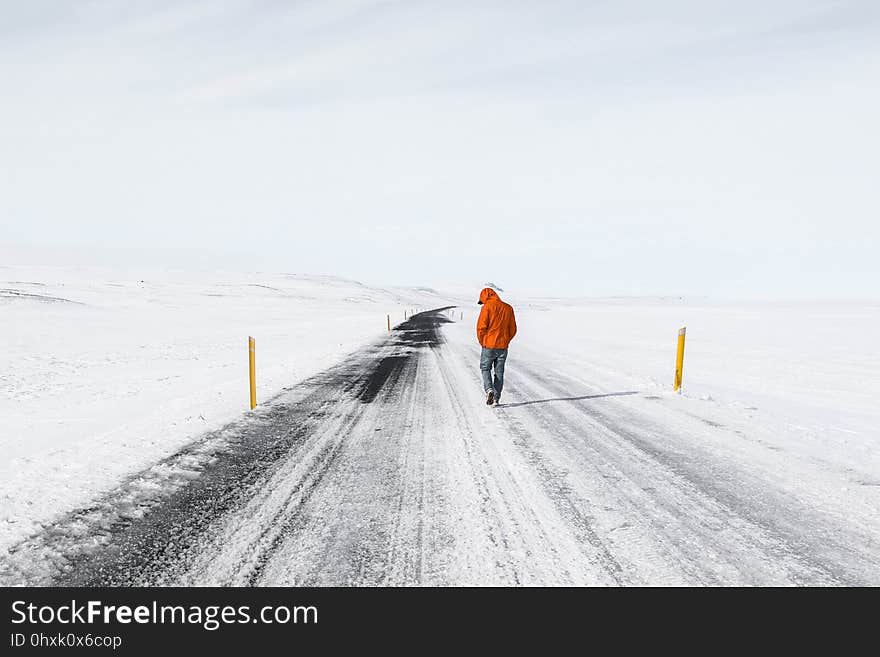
{"x": 131, "y": 457}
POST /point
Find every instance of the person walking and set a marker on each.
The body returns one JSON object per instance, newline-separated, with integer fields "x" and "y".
{"x": 496, "y": 327}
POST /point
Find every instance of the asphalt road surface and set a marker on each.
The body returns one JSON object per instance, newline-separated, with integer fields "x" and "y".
{"x": 389, "y": 469}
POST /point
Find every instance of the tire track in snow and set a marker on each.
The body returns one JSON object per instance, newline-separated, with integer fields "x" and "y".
{"x": 254, "y": 544}
{"x": 728, "y": 521}
{"x": 155, "y": 525}
{"x": 539, "y": 545}
{"x": 389, "y": 470}
{"x": 318, "y": 550}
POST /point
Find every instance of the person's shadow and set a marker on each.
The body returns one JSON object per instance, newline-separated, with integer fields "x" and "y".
{"x": 555, "y": 399}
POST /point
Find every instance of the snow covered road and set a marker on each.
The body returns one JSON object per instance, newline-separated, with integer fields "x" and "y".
{"x": 389, "y": 470}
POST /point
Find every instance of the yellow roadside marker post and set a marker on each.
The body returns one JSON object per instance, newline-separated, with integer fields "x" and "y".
{"x": 389, "y": 323}
{"x": 679, "y": 360}
{"x": 253, "y": 371}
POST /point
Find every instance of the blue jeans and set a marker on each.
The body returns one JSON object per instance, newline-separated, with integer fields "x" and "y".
{"x": 490, "y": 358}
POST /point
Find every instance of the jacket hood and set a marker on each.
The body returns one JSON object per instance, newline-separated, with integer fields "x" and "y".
{"x": 488, "y": 294}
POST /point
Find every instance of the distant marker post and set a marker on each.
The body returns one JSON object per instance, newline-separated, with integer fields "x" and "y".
{"x": 252, "y": 366}
{"x": 388, "y": 317}
{"x": 679, "y": 360}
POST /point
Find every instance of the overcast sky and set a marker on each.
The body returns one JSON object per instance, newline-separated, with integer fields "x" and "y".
{"x": 583, "y": 148}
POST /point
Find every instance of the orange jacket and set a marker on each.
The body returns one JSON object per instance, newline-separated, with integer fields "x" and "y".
{"x": 496, "y": 325}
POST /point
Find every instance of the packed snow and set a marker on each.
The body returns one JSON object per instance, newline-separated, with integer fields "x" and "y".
{"x": 809, "y": 369}
{"x": 770, "y": 451}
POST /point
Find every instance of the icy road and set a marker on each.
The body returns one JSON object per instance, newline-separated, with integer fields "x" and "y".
{"x": 389, "y": 470}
